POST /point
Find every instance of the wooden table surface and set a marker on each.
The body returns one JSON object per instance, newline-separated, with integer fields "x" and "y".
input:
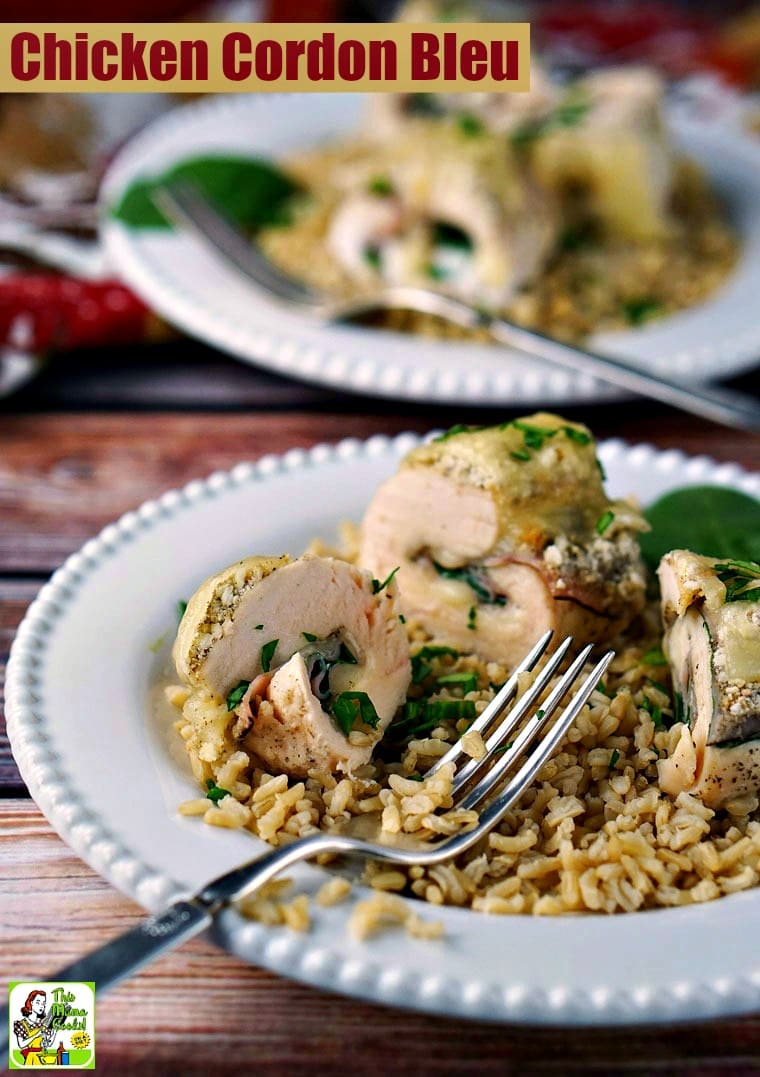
{"x": 95, "y": 435}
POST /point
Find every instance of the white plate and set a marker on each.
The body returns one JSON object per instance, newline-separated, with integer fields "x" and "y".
{"x": 202, "y": 295}
{"x": 109, "y": 781}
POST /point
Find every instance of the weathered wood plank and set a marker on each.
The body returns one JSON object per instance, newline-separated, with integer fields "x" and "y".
{"x": 63, "y": 476}
{"x": 15, "y": 596}
{"x": 200, "y": 1011}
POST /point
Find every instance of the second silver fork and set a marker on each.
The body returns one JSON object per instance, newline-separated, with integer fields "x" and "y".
{"x": 186, "y": 207}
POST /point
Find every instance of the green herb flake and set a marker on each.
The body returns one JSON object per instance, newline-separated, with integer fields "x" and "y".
{"x": 540, "y": 714}
{"x": 381, "y": 186}
{"x": 604, "y": 521}
{"x": 309, "y": 637}
{"x": 414, "y": 777}
{"x": 402, "y": 618}
{"x": 460, "y": 428}
{"x": 601, "y": 688}
{"x": 600, "y": 467}
{"x": 654, "y": 657}
{"x": 639, "y": 310}
{"x": 614, "y": 758}
{"x": 435, "y": 272}
{"x": 214, "y": 792}
{"x": 520, "y": 455}
{"x": 235, "y": 697}
{"x": 741, "y": 580}
{"x": 267, "y": 654}
{"x": 377, "y": 587}
{"x": 181, "y": 607}
{"x": 472, "y": 618}
{"x": 258, "y": 627}
{"x": 469, "y": 125}
{"x": 466, "y": 680}
{"x": 350, "y": 707}
{"x": 371, "y": 255}
{"x": 345, "y": 656}
{"x": 503, "y": 748}
{"x": 654, "y": 712}
{"x": 580, "y": 437}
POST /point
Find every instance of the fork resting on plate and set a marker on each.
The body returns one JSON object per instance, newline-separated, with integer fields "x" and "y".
{"x": 492, "y": 784}
{"x": 185, "y": 206}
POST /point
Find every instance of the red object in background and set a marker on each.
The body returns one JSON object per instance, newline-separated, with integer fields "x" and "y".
{"x": 123, "y": 11}
{"x": 44, "y": 312}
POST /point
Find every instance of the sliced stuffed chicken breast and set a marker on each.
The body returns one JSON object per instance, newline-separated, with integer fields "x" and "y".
{"x": 711, "y": 613}
{"x": 443, "y": 209}
{"x": 309, "y": 655}
{"x": 504, "y": 532}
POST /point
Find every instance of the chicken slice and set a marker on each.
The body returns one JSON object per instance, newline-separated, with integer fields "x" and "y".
{"x": 713, "y": 646}
{"x": 497, "y": 535}
{"x": 442, "y": 209}
{"x": 313, "y": 651}
{"x": 609, "y": 137}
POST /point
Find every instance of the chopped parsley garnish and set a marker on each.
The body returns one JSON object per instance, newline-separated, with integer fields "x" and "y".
{"x": 258, "y": 627}
{"x": 540, "y": 714}
{"x": 419, "y": 716}
{"x": 614, "y": 758}
{"x": 181, "y": 607}
{"x": 377, "y": 587}
{"x": 601, "y": 688}
{"x": 520, "y": 454}
{"x": 576, "y": 238}
{"x": 503, "y": 748}
{"x": 435, "y": 272}
{"x": 654, "y": 657}
{"x": 469, "y": 124}
{"x": 214, "y": 792}
{"x": 602, "y": 472}
{"x": 654, "y": 711}
{"x": 466, "y": 680}
{"x": 350, "y": 707}
{"x": 569, "y": 113}
{"x": 420, "y": 666}
{"x": 414, "y": 777}
{"x": 309, "y": 637}
{"x": 604, "y": 521}
{"x": 372, "y": 257}
{"x": 741, "y": 580}
{"x": 235, "y": 697}
{"x": 472, "y": 618}
{"x": 460, "y": 428}
{"x": 267, "y": 654}
{"x": 381, "y": 185}
{"x": 402, "y": 618}
{"x": 580, "y": 437}
{"x": 476, "y": 580}
{"x": 638, "y": 310}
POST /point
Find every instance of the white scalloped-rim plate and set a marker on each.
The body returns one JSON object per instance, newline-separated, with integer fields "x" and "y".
{"x": 109, "y": 778}
{"x": 192, "y": 288}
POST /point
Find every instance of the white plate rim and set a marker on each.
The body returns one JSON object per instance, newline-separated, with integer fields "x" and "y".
{"x": 76, "y": 820}
{"x": 345, "y": 360}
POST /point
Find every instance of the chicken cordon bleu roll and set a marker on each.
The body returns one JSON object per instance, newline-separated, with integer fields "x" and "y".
{"x": 504, "y": 532}
{"x": 310, "y": 656}
{"x": 711, "y": 613}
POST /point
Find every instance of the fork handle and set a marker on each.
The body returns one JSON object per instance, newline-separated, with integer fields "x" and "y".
{"x": 711, "y": 402}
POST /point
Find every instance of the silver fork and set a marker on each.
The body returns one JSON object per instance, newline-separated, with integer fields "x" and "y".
{"x": 186, "y": 207}
{"x": 476, "y": 783}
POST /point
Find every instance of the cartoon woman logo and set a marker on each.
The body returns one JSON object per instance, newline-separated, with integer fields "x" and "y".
{"x": 33, "y": 1032}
